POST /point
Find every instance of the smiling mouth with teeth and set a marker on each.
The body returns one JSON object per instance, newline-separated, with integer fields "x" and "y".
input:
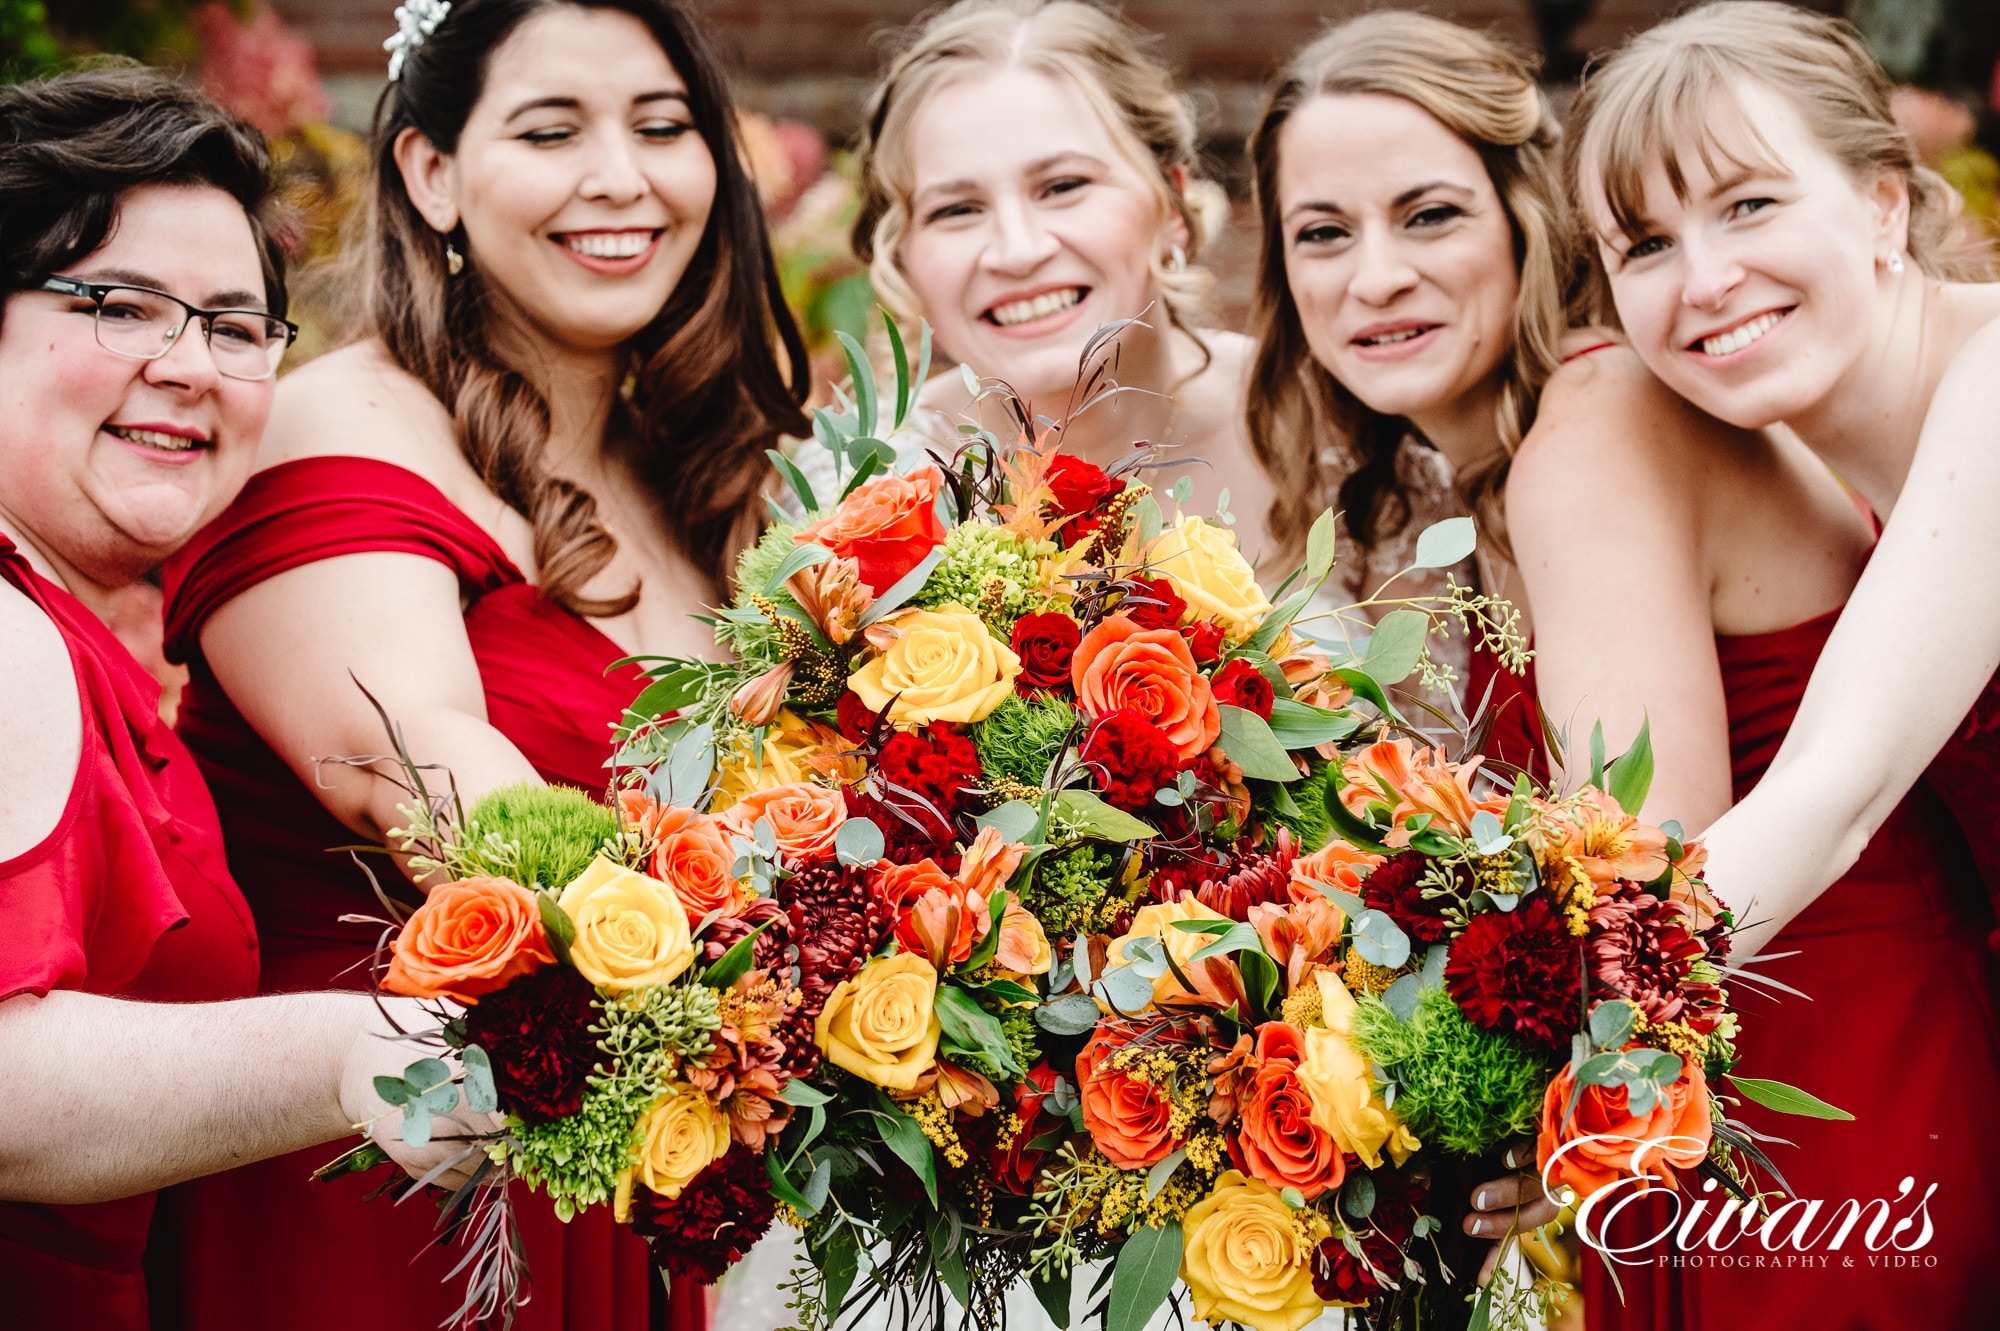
{"x": 1741, "y": 336}
{"x": 1391, "y": 339}
{"x": 610, "y": 244}
{"x": 1039, "y": 307}
{"x": 170, "y": 443}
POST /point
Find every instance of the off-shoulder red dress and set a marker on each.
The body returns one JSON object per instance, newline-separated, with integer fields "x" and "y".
{"x": 1902, "y": 1029}
{"x": 264, "y": 1246}
{"x": 127, "y": 896}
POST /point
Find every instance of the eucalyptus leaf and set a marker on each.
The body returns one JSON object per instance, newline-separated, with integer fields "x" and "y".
{"x": 1380, "y": 940}
{"x": 1611, "y": 1023}
{"x": 1094, "y": 818}
{"x": 1144, "y": 1275}
{"x": 1251, "y": 746}
{"x": 1158, "y": 1176}
{"x": 1785, "y": 1099}
{"x": 1401, "y": 997}
{"x": 858, "y": 843}
{"x": 1015, "y": 820}
{"x": 1124, "y": 989}
{"x": 1151, "y": 521}
{"x": 480, "y": 1095}
{"x": 1322, "y": 542}
{"x": 1396, "y": 646}
{"x": 1444, "y": 544}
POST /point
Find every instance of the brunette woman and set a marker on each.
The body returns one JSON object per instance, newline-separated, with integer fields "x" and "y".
{"x": 1773, "y": 253}
{"x": 536, "y": 460}
{"x": 1028, "y": 176}
{"x": 143, "y": 321}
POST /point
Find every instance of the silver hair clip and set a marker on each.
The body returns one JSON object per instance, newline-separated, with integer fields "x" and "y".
{"x": 415, "y": 20}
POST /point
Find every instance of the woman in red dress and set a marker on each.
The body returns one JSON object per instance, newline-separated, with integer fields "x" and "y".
{"x": 144, "y": 295}
{"x": 538, "y": 460}
{"x": 1768, "y": 282}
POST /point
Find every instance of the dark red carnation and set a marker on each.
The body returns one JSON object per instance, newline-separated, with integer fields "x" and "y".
{"x": 1240, "y": 684}
{"x": 1045, "y": 643}
{"x": 1518, "y": 970}
{"x": 1339, "y": 1276}
{"x": 537, "y": 1033}
{"x": 1640, "y": 949}
{"x": 854, "y": 717}
{"x": 1392, "y": 889}
{"x": 1153, "y": 603}
{"x": 1204, "y": 639}
{"x": 838, "y": 919}
{"x": 910, "y": 830}
{"x": 715, "y": 1220}
{"x": 1134, "y": 756}
{"x": 1077, "y": 489}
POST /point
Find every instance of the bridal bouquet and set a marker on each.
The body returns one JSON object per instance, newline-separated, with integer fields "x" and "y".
{"x": 1030, "y": 888}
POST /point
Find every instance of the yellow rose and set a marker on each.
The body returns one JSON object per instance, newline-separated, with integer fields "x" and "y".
{"x": 1346, "y": 1102}
{"x": 882, "y": 1025}
{"x": 1247, "y": 1259}
{"x": 945, "y": 665}
{"x": 630, "y": 929}
{"x": 795, "y": 751}
{"x": 681, "y": 1135}
{"x": 1212, "y": 576}
{"x": 1157, "y": 921}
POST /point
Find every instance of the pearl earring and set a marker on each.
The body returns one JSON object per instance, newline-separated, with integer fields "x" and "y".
{"x": 1895, "y": 262}
{"x": 1176, "y": 259}
{"x": 454, "y": 262}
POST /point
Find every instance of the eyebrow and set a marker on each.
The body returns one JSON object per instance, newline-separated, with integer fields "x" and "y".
{"x": 574, "y": 104}
{"x": 1407, "y": 197}
{"x": 1036, "y": 167}
{"x": 231, "y": 299}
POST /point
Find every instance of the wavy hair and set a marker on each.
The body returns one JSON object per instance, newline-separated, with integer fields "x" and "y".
{"x": 1486, "y": 95}
{"x": 1651, "y": 103}
{"x": 716, "y": 377}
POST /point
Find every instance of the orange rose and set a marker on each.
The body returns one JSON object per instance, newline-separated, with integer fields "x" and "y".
{"x": 1130, "y": 1121}
{"x": 1118, "y": 664}
{"x": 470, "y": 937}
{"x": 1277, "y": 1140}
{"x": 805, "y": 817}
{"x": 1335, "y": 864}
{"x": 693, "y": 856}
{"x": 886, "y": 527}
{"x": 1675, "y": 1134}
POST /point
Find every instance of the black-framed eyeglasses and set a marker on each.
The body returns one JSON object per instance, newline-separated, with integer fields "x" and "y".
{"x": 144, "y": 324}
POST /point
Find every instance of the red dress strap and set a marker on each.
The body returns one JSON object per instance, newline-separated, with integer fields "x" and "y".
{"x": 316, "y": 508}
{"x": 1579, "y": 355}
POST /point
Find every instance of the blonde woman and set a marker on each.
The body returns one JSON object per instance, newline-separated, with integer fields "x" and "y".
{"x": 1029, "y": 176}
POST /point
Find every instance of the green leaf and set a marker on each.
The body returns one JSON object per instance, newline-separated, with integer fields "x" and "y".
{"x": 1148, "y": 1265}
{"x": 804, "y": 1094}
{"x": 858, "y": 843}
{"x": 1203, "y": 926}
{"x": 1396, "y": 647}
{"x": 905, "y": 390}
{"x": 1260, "y": 977}
{"x": 839, "y": 1257}
{"x": 669, "y": 693}
{"x": 1275, "y": 622}
{"x": 904, "y": 588}
{"x": 1072, "y": 1014}
{"x": 1015, "y": 820}
{"x": 800, "y": 557}
{"x": 1010, "y": 991}
{"x": 781, "y": 1187}
{"x": 1151, "y": 521}
{"x": 1238, "y": 937}
{"x": 1158, "y": 1176}
{"x": 923, "y": 360}
{"x": 1380, "y": 940}
{"x": 863, "y": 376}
{"x": 1251, "y": 746}
{"x": 730, "y": 966}
{"x": 1321, "y": 544}
{"x": 990, "y": 944}
{"x": 1094, "y": 818}
{"x": 901, "y": 1134}
{"x": 1298, "y": 725}
{"x": 1482, "y": 1310}
{"x": 1786, "y": 1099}
{"x": 1611, "y": 1023}
{"x": 1631, "y": 775}
{"x": 480, "y": 1095}
{"x": 864, "y": 471}
{"x": 1351, "y": 829}
{"x": 1367, "y": 690}
{"x": 1053, "y": 1295}
{"x": 794, "y": 478}
{"x": 1597, "y": 755}
{"x": 1446, "y": 543}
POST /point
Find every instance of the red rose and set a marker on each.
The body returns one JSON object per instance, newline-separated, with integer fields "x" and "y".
{"x": 1153, "y": 604}
{"x": 1204, "y": 639}
{"x": 1076, "y": 490}
{"x": 1135, "y": 756}
{"x": 1240, "y": 684}
{"x": 1045, "y": 643}
{"x": 855, "y": 718}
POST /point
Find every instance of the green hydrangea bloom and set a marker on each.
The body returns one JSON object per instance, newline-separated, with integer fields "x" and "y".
{"x": 1458, "y": 1086}
{"x": 1019, "y": 738}
{"x": 534, "y": 834}
{"x": 975, "y": 553}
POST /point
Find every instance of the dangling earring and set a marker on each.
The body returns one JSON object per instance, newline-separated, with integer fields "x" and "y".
{"x": 1895, "y": 262}
{"x": 1176, "y": 259}
{"x": 454, "y": 262}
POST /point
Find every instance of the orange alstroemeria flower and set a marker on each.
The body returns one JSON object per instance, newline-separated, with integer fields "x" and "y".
{"x": 1590, "y": 833}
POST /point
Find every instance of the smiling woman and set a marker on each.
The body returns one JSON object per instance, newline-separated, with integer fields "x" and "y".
{"x": 536, "y": 459}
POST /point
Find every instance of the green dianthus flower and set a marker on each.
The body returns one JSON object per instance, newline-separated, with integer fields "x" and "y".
{"x": 1018, "y": 738}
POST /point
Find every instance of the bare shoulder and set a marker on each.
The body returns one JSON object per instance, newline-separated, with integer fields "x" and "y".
{"x": 41, "y": 724}
{"x": 1606, "y": 414}
{"x": 357, "y": 402}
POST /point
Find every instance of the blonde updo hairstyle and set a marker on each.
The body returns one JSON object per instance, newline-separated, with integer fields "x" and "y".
{"x": 1487, "y": 95}
{"x": 1152, "y": 124}
{"x": 1650, "y": 103}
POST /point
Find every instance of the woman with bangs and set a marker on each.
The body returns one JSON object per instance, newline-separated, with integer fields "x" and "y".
{"x": 538, "y": 458}
{"x": 1029, "y": 176}
{"x": 1774, "y": 256}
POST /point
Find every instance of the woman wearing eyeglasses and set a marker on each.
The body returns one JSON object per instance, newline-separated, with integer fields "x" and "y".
{"x": 141, "y": 328}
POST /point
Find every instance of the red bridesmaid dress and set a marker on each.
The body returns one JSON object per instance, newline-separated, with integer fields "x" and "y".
{"x": 128, "y": 896}
{"x": 265, "y": 1246}
{"x": 1902, "y": 1030}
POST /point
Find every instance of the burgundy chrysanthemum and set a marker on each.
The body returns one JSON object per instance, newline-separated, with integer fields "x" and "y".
{"x": 1392, "y": 889}
{"x": 837, "y": 920}
{"x": 1240, "y": 684}
{"x": 768, "y": 952}
{"x": 537, "y": 1033}
{"x": 1640, "y": 949}
{"x": 1134, "y": 756}
{"x": 714, "y": 1221}
{"x": 1250, "y": 878}
{"x": 1517, "y": 971}
{"x": 1153, "y": 604}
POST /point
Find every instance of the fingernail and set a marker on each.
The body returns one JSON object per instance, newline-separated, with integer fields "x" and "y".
{"x": 1479, "y": 1200}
